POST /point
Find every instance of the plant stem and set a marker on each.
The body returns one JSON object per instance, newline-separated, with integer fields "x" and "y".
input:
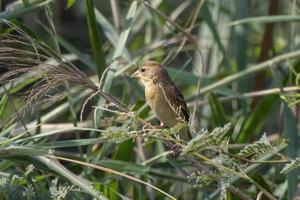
{"x": 210, "y": 162}
{"x": 250, "y": 70}
{"x": 258, "y": 93}
{"x": 250, "y": 169}
{"x": 108, "y": 170}
{"x": 76, "y": 180}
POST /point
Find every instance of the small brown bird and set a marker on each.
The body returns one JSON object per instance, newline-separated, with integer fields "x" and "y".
{"x": 165, "y": 100}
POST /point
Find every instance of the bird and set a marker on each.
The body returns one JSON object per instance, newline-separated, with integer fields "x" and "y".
{"x": 163, "y": 97}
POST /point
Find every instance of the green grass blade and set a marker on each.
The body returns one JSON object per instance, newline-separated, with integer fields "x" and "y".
{"x": 218, "y": 113}
{"x": 125, "y": 166}
{"x": 110, "y": 32}
{"x": 251, "y": 70}
{"x": 209, "y": 20}
{"x": 70, "y": 3}
{"x": 95, "y": 39}
{"x": 80, "y": 55}
{"x": 12, "y": 151}
{"x": 290, "y": 132}
{"x": 57, "y": 131}
{"x": 68, "y": 143}
{"x": 20, "y": 9}
{"x": 58, "y": 168}
{"x": 266, "y": 19}
{"x": 241, "y": 43}
{"x": 125, "y": 33}
{"x": 256, "y": 120}
{"x": 118, "y": 51}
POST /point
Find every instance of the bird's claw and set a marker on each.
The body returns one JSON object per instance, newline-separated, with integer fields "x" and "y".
{"x": 161, "y": 125}
{"x": 176, "y": 149}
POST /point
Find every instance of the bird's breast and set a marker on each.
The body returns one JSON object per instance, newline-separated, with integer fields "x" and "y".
{"x": 156, "y": 99}
{"x": 151, "y": 94}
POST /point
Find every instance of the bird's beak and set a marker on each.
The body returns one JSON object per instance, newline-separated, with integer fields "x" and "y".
{"x": 135, "y": 75}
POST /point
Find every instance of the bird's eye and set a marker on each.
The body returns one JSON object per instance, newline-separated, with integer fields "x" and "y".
{"x": 143, "y": 70}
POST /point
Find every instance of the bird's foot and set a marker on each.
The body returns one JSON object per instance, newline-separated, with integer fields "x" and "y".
{"x": 161, "y": 125}
{"x": 176, "y": 150}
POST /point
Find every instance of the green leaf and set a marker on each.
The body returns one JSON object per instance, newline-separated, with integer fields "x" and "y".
{"x": 267, "y": 19}
{"x": 241, "y": 43}
{"x": 205, "y": 140}
{"x": 125, "y": 166}
{"x": 290, "y": 131}
{"x": 255, "y": 122}
{"x": 125, "y": 33}
{"x": 80, "y": 55}
{"x": 118, "y": 51}
{"x": 209, "y": 20}
{"x": 110, "y": 32}
{"x": 218, "y": 113}
{"x": 125, "y": 151}
{"x": 70, "y": 3}
{"x": 108, "y": 29}
{"x": 12, "y": 151}
{"x": 3, "y": 103}
{"x": 56, "y": 131}
{"x": 185, "y": 77}
{"x": 68, "y": 143}
{"x": 55, "y": 166}
{"x": 95, "y": 39}
{"x": 258, "y": 149}
{"x": 249, "y": 71}
{"x": 14, "y": 10}
{"x": 294, "y": 164}
{"x": 258, "y": 178}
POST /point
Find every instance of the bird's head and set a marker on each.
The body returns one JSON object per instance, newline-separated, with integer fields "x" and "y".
{"x": 151, "y": 72}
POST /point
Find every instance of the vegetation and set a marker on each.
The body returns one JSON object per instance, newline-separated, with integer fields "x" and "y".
{"x": 74, "y": 125}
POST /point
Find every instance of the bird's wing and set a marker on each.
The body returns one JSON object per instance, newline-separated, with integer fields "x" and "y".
{"x": 180, "y": 102}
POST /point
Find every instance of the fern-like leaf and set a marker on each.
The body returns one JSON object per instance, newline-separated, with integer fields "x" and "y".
{"x": 117, "y": 134}
{"x": 201, "y": 178}
{"x": 206, "y": 140}
{"x": 291, "y": 166}
{"x": 257, "y": 150}
{"x": 223, "y": 193}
